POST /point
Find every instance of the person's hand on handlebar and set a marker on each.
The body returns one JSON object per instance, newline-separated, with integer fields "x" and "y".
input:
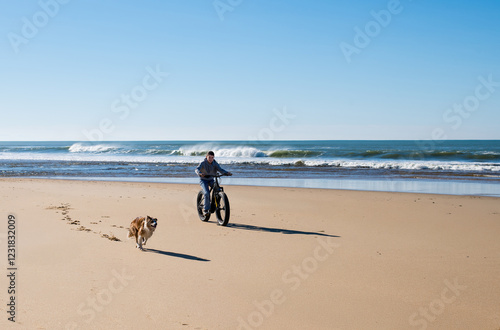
{"x": 205, "y": 175}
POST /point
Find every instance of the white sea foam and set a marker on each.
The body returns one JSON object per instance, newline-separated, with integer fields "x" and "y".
{"x": 407, "y": 165}
{"x": 93, "y": 148}
{"x": 238, "y": 151}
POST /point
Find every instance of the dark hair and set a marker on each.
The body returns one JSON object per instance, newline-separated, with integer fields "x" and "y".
{"x": 210, "y": 153}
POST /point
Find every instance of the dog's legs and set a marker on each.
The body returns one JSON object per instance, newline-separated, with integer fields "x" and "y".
{"x": 139, "y": 242}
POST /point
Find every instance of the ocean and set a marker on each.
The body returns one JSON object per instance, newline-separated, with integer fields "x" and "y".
{"x": 364, "y": 165}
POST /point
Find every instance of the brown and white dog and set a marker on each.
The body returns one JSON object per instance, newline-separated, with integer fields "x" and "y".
{"x": 142, "y": 228}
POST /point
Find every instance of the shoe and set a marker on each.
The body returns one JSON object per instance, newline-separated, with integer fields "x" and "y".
{"x": 206, "y": 212}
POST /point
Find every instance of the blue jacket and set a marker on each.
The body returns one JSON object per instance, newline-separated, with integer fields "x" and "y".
{"x": 209, "y": 169}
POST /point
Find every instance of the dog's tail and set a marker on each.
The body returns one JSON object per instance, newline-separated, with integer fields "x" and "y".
{"x": 131, "y": 232}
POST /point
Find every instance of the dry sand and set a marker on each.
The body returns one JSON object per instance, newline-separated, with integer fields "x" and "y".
{"x": 289, "y": 259}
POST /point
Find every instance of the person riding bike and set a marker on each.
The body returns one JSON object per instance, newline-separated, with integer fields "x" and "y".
{"x": 206, "y": 170}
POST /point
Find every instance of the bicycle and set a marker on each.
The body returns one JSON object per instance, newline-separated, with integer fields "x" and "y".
{"x": 219, "y": 203}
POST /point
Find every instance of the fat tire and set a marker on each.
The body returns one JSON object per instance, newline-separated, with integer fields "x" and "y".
{"x": 223, "y": 217}
{"x": 200, "y": 201}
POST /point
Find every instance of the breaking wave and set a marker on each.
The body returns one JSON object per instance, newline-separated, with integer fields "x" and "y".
{"x": 92, "y": 148}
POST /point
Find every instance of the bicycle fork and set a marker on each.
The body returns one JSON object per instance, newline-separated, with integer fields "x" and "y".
{"x": 214, "y": 200}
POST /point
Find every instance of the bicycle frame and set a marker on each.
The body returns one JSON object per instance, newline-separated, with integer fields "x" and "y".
{"x": 214, "y": 190}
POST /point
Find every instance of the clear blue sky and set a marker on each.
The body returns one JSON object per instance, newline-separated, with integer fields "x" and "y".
{"x": 68, "y": 68}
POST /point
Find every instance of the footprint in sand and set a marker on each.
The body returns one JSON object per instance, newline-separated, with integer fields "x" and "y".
{"x": 111, "y": 237}
{"x": 64, "y": 208}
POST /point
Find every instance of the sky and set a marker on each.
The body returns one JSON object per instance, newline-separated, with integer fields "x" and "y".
{"x": 74, "y": 70}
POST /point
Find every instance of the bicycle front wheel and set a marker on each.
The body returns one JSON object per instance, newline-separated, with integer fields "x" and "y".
{"x": 222, "y": 211}
{"x": 200, "y": 205}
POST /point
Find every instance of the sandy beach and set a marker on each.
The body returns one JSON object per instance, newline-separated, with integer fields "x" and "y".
{"x": 289, "y": 259}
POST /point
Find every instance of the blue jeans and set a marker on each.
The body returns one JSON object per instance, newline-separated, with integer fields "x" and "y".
{"x": 205, "y": 186}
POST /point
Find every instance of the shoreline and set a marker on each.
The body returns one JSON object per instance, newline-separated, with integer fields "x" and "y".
{"x": 404, "y": 185}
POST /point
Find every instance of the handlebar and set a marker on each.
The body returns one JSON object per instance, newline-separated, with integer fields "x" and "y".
{"x": 216, "y": 176}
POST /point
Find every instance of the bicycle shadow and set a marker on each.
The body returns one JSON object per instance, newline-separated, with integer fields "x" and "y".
{"x": 177, "y": 255}
{"x": 278, "y": 230}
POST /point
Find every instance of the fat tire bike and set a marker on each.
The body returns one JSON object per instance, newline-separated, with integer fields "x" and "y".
{"x": 219, "y": 203}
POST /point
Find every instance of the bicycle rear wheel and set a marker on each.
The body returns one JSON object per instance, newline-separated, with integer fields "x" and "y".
{"x": 200, "y": 206}
{"x": 223, "y": 210}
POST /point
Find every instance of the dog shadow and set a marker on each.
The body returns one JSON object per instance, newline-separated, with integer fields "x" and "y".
{"x": 177, "y": 255}
{"x": 278, "y": 230}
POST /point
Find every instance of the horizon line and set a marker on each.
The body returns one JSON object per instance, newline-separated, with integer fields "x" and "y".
{"x": 257, "y": 141}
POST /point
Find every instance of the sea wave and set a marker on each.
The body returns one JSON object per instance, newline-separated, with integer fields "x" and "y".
{"x": 239, "y": 151}
{"x": 294, "y": 153}
{"x": 30, "y": 148}
{"x": 258, "y": 150}
{"x": 91, "y": 148}
{"x": 488, "y": 155}
{"x": 237, "y": 159}
{"x": 225, "y": 151}
{"x": 410, "y": 165}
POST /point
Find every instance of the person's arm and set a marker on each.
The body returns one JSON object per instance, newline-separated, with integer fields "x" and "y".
{"x": 220, "y": 169}
{"x": 199, "y": 171}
